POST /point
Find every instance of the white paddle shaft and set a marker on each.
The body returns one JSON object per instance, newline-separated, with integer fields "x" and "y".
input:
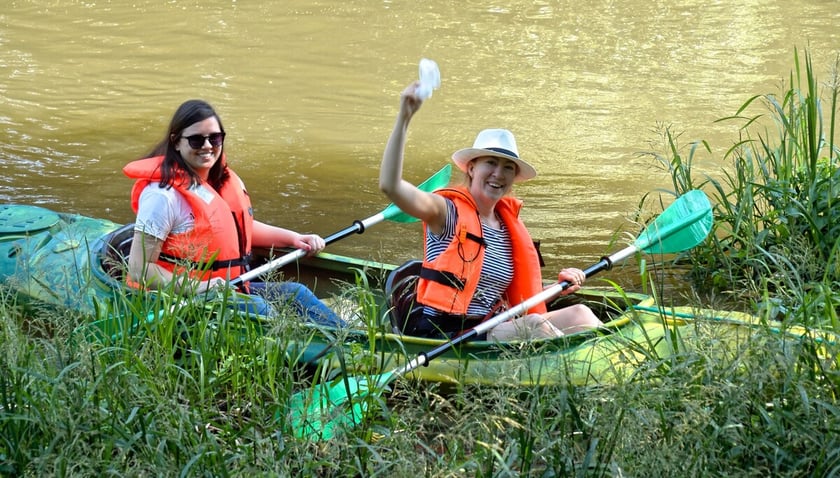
{"x": 357, "y": 227}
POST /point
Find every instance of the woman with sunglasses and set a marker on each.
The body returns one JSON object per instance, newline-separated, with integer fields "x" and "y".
{"x": 195, "y": 228}
{"x": 479, "y": 256}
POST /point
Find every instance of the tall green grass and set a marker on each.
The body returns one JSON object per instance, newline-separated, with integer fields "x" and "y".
{"x": 196, "y": 390}
{"x": 776, "y": 236}
{"x": 204, "y": 394}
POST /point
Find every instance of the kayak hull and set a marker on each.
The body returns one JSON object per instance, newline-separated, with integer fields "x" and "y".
{"x": 624, "y": 348}
{"x": 75, "y": 263}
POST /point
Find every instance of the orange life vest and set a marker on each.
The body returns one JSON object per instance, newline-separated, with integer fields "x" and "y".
{"x": 220, "y": 243}
{"x": 449, "y": 282}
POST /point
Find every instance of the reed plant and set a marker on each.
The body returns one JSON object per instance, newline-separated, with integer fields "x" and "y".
{"x": 776, "y": 236}
{"x": 205, "y": 392}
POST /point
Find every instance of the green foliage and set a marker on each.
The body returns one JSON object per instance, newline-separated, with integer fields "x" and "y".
{"x": 777, "y": 206}
{"x": 198, "y": 393}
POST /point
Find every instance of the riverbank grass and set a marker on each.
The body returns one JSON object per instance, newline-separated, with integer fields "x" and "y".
{"x": 209, "y": 396}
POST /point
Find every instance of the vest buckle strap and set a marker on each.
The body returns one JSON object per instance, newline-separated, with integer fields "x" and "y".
{"x": 443, "y": 277}
{"x": 463, "y": 235}
{"x": 213, "y": 266}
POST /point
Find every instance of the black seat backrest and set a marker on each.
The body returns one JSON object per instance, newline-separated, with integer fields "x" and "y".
{"x": 401, "y": 290}
{"x": 114, "y": 252}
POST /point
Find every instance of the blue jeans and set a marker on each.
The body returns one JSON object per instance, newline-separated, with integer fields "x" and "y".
{"x": 295, "y": 295}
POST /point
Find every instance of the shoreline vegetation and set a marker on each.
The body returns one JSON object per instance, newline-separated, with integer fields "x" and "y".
{"x": 202, "y": 397}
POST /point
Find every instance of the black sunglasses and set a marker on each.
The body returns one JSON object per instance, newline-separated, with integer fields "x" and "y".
{"x": 196, "y": 141}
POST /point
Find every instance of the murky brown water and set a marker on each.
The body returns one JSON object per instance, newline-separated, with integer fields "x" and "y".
{"x": 308, "y": 92}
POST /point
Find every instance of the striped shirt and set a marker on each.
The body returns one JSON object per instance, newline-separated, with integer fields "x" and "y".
{"x": 496, "y": 270}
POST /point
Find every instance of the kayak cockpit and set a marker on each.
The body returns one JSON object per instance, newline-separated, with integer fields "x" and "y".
{"x": 404, "y": 310}
{"x": 113, "y": 254}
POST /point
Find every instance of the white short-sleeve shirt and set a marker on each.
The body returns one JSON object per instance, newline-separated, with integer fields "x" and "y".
{"x": 163, "y": 211}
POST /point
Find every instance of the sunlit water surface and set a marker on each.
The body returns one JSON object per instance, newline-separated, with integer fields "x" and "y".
{"x": 308, "y": 92}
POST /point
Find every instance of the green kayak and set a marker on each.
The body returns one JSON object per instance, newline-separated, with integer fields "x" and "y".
{"x": 75, "y": 262}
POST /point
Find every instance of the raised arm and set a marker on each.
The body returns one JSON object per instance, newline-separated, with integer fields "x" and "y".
{"x": 429, "y": 208}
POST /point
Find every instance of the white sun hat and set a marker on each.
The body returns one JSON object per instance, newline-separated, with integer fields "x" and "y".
{"x": 499, "y": 143}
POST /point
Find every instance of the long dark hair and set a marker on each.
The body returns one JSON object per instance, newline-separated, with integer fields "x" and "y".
{"x": 189, "y": 113}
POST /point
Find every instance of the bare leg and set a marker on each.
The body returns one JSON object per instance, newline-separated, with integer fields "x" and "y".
{"x": 532, "y": 326}
{"x": 568, "y": 320}
{"x": 575, "y": 318}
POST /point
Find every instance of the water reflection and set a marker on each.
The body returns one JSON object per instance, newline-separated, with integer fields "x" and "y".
{"x": 308, "y": 91}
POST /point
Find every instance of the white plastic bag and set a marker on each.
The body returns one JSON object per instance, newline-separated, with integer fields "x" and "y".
{"x": 429, "y": 79}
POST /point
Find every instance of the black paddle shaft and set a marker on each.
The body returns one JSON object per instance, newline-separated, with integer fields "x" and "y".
{"x": 358, "y": 227}
{"x": 604, "y": 264}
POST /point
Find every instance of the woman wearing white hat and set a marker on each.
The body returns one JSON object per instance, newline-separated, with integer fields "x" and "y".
{"x": 478, "y": 255}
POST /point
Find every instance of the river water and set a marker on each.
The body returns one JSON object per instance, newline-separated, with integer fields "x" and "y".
{"x": 308, "y": 92}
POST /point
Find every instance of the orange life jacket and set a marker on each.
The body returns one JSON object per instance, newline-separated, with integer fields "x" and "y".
{"x": 220, "y": 243}
{"x": 449, "y": 282}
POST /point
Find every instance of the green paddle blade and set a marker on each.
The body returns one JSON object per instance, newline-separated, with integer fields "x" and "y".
{"x": 683, "y": 225}
{"x": 319, "y": 413}
{"x": 323, "y": 411}
{"x": 437, "y": 181}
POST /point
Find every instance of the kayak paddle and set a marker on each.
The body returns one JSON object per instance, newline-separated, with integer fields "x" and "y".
{"x": 391, "y": 213}
{"x": 317, "y": 413}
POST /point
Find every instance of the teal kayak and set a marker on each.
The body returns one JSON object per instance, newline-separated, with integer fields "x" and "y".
{"x": 77, "y": 262}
